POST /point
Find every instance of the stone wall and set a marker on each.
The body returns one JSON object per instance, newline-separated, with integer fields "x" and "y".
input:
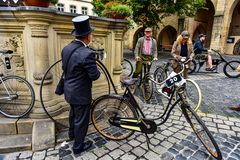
{"x": 37, "y": 37}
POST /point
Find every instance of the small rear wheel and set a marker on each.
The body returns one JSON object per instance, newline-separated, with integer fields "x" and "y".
{"x": 108, "y": 106}
{"x": 232, "y": 69}
{"x": 202, "y": 132}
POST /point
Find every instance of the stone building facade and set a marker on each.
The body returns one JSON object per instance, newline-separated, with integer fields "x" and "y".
{"x": 219, "y": 21}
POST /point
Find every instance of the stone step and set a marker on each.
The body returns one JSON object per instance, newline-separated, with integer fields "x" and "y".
{"x": 9, "y": 126}
{"x": 15, "y": 143}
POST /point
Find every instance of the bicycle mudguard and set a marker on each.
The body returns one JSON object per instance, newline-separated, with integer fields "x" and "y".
{"x": 144, "y": 125}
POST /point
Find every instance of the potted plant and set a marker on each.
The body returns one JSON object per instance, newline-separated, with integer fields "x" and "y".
{"x": 118, "y": 11}
{"x": 112, "y": 9}
{"x": 39, "y": 3}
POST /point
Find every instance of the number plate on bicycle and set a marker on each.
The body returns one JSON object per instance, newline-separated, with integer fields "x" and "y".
{"x": 169, "y": 82}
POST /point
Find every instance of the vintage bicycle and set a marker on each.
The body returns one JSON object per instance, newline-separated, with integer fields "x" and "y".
{"x": 51, "y": 79}
{"x": 229, "y": 68}
{"x": 145, "y": 86}
{"x": 117, "y": 117}
{"x": 193, "y": 91}
{"x": 17, "y": 96}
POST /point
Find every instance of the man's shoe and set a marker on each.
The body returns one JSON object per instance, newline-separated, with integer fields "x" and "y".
{"x": 236, "y": 108}
{"x": 86, "y": 146}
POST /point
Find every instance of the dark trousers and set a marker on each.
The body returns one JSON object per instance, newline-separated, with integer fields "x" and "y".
{"x": 78, "y": 124}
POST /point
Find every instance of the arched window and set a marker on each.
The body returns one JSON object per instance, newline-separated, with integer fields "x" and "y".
{"x": 73, "y": 9}
{"x": 84, "y": 10}
{"x": 60, "y": 7}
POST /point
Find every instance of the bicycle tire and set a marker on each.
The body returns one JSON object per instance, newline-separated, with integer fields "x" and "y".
{"x": 159, "y": 75}
{"x": 202, "y": 132}
{"x": 147, "y": 88}
{"x": 54, "y": 72}
{"x": 193, "y": 94}
{"x": 127, "y": 68}
{"x": 107, "y": 106}
{"x": 230, "y": 69}
{"x": 22, "y": 97}
{"x": 192, "y": 66}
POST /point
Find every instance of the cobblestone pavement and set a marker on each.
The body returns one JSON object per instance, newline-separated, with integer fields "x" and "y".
{"x": 172, "y": 140}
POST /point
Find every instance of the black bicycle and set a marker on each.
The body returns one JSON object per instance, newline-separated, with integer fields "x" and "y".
{"x": 142, "y": 82}
{"x": 117, "y": 117}
{"x": 229, "y": 68}
{"x": 51, "y": 101}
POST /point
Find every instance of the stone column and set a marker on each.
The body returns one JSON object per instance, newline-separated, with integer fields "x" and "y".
{"x": 38, "y": 50}
{"x": 118, "y": 56}
{"x": 217, "y": 32}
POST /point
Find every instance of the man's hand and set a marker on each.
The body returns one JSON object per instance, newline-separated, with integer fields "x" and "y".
{"x": 155, "y": 59}
{"x": 137, "y": 59}
{"x": 209, "y": 51}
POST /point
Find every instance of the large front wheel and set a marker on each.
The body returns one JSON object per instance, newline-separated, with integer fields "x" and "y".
{"x": 202, "y": 132}
{"x": 108, "y": 106}
{"x": 193, "y": 94}
{"x": 232, "y": 69}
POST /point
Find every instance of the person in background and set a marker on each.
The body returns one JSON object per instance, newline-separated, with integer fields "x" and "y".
{"x": 202, "y": 52}
{"x": 80, "y": 69}
{"x": 145, "y": 50}
{"x": 182, "y": 48}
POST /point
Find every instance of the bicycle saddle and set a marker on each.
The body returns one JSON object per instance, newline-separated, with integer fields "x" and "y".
{"x": 6, "y": 51}
{"x": 129, "y": 81}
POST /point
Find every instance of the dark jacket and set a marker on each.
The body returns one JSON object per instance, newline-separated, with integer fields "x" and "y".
{"x": 198, "y": 47}
{"x": 81, "y": 71}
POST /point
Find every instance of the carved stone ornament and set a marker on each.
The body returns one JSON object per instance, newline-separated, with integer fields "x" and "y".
{"x": 98, "y": 43}
{"x": 15, "y": 44}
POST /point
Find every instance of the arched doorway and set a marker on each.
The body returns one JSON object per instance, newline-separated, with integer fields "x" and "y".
{"x": 204, "y": 22}
{"x": 166, "y": 38}
{"x": 234, "y": 30}
{"x": 139, "y": 33}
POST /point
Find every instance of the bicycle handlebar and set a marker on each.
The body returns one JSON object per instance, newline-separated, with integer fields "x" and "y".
{"x": 179, "y": 73}
{"x": 100, "y": 54}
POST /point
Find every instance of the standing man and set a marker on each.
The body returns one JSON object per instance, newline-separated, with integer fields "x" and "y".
{"x": 80, "y": 70}
{"x": 145, "y": 50}
{"x": 182, "y": 48}
{"x": 202, "y": 53}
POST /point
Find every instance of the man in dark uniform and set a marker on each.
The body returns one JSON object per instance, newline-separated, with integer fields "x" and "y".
{"x": 80, "y": 70}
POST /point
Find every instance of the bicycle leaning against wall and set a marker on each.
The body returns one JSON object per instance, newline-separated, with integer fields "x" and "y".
{"x": 17, "y": 96}
{"x": 50, "y": 81}
{"x": 117, "y": 117}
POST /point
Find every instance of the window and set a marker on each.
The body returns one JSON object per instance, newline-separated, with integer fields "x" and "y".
{"x": 73, "y": 9}
{"x": 60, "y": 7}
{"x": 84, "y": 10}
